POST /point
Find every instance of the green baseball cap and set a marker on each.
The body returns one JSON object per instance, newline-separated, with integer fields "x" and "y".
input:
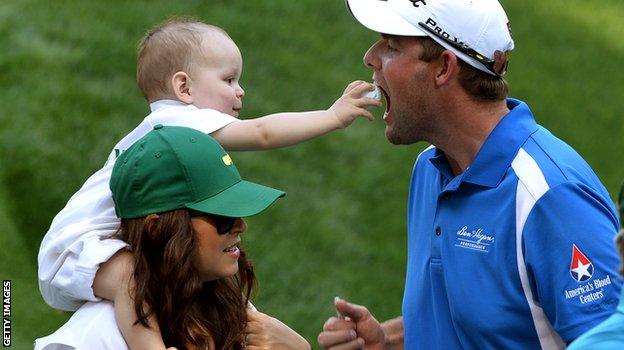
{"x": 175, "y": 167}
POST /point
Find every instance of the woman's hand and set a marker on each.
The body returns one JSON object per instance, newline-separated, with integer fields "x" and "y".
{"x": 266, "y": 332}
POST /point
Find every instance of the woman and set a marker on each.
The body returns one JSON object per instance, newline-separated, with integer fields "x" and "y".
{"x": 181, "y": 200}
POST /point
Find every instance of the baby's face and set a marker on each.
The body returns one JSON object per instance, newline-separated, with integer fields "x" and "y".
{"x": 215, "y": 84}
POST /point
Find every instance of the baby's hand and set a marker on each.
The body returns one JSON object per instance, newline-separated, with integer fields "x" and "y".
{"x": 352, "y": 104}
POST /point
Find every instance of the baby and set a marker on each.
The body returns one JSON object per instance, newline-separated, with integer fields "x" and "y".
{"x": 189, "y": 72}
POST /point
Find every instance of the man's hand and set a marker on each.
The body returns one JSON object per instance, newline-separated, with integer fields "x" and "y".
{"x": 393, "y": 330}
{"x": 357, "y": 330}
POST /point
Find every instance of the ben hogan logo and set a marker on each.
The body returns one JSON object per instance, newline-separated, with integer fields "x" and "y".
{"x": 581, "y": 268}
{"x": 415, "y": 2}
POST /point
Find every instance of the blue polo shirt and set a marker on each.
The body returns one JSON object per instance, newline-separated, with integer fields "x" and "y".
{"x": 514, "y": 253}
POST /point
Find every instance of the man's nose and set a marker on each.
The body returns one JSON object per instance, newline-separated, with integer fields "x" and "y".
{"x": 371, "y": 57}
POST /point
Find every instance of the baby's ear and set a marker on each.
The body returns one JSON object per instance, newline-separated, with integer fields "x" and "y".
{"x": 180, "y": 83}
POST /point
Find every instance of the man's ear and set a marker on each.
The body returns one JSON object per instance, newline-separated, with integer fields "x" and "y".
{"x": 151, "y": 222}
{"x": 180, "y": 83}
{"x": 447, "y": 68}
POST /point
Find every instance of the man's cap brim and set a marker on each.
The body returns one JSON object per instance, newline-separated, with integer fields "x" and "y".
{"x": 378, "y": 16}
{"x": 240, "y": 200}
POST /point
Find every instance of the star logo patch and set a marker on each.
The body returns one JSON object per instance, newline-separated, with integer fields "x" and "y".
{"x": 581, "y": 268}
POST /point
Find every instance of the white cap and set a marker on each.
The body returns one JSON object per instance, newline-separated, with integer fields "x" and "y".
{"x": 480, "y": 25}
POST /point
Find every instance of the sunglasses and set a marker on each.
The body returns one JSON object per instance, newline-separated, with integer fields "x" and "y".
{"x": 223, "y": 224}
{"x": 497, "y": 66}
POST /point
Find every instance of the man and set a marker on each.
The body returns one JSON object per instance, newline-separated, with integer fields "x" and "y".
{"x": 509, "y": 230}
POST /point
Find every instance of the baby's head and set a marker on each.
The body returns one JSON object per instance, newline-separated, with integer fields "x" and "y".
{"x": 192, "y": 62}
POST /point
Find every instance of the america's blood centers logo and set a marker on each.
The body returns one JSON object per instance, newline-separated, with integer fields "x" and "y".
{"x": 581, "y": 268}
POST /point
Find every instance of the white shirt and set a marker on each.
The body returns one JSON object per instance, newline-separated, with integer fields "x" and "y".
{"x": 73, "y": 248}
{"x": 92, "y": 327}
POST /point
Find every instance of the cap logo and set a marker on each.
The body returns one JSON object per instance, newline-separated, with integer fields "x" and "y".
{"x": 227, "y": 160}
{"x": 439, "y": 31}
{"x": 415, "y": 2}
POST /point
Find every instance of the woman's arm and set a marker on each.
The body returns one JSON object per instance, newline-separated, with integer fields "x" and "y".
{"x": 114, "y": 281}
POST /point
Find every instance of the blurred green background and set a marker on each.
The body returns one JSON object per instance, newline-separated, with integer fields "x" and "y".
{"x": 67, "y": 94}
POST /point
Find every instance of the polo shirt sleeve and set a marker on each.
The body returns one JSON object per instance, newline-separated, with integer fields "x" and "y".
{"x": 571, "y": 259}
{"x": 204, "y": 120}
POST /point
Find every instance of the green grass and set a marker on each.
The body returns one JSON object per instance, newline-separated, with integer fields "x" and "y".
{"x": 68, "y": 94}
{"x": 29, "y": 315}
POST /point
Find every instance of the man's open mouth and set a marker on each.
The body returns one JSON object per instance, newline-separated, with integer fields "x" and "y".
{"x": 386, "y": 97}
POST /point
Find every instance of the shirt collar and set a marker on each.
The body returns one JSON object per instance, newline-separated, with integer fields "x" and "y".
{"x": 498, "y": 150}
{"x": 160, "y": 104}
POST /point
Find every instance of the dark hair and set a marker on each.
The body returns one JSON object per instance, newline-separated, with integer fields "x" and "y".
{"x": 189, "y": 312}
{"x": 619, "y": 243}
{"x": 478, "y": 84}
{"x": 621, "y": 206}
